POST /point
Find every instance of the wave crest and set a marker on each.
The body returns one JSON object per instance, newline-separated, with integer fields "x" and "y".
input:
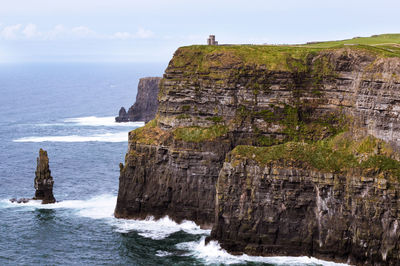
{"x": 107, "y": 137}
{"x": 212, "y": 253}
{"x": 100, "y": 121}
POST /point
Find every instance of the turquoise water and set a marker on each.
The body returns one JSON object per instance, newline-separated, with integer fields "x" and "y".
{"x": 68, "y": 110}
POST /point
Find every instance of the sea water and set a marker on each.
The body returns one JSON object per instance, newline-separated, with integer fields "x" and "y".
{"x": 68, "y": 110}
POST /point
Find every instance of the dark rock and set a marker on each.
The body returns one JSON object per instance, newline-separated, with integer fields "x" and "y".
{"x": 23, "y": 200}
{"x": 177, "y": 181}
{"x": 145, "y": 106}
{"x": 281, "y": 210}
{"x": 122, "y": 116}
{"x": 43, "y": 180}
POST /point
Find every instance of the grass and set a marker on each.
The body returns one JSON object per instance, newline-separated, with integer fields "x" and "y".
{"x": 375, "y": 40}
{"x": 299, "y": 124}
{"x": 202, "y": 58}
{"x": 199, "y": 134}
{"x": 338, "y": 154}
{"x": 150, "y": 134}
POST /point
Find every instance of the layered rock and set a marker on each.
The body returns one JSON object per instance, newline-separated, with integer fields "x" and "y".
{"x": 287, "y": 206}
{"x": 43, "y": 179}
{"x": 213, "y": 99}
{"x": 145, "y": 106}
{"x": 167, "y": 176}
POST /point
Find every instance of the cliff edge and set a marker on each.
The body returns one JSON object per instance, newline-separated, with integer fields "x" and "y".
{"x": 281, "y": 150}
{"x": 145, "y": 106}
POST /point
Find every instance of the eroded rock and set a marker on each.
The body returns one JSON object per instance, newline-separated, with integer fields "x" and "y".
{"x": 43, "y": 179}
{"x": 145, "y": 106}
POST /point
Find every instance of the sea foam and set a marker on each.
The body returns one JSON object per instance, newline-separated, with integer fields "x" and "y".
{"x": 106, "y": 137}
{"x": 94, "y": 121}
{"x": 157, "y": 229}
{"x": 100, "y": 121}
{"x": 212, "y": 253}
{"x": 102, "y": 207}
{"x": 98, "y": 207}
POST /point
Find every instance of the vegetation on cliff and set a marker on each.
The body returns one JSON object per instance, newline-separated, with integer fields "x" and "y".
{"x": 202, "y": 58}
{"x": 341, "y": 153}
{"x": 199, "y": 134}
{"x": 150, "y": 134}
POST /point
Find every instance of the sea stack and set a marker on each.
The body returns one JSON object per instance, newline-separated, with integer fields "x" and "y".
{"x": 43, "y": 179}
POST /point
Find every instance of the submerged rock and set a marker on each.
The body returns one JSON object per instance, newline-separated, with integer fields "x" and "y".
{"x": 43, "y": 179}
{"x": 21, "y": 200}
{"x": 146, "y": 104}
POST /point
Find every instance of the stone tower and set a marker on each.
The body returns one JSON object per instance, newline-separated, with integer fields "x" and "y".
{"x": 211, "y": 40}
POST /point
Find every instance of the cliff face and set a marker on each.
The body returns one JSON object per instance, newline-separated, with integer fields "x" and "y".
{"x": 163, "y": 176}
{"x": 145, "y": 106}
{"x": 265, "y": 111}
{"x": 286, "y": 207}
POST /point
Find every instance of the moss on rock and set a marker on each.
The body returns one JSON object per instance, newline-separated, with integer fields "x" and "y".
{"x": 337, "y": 154}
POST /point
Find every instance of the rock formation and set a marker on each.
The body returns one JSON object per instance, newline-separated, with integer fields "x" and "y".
{"x": 281, "y": 150}
{"x": 145, "y": 107}
{"x": 43, "y": 179}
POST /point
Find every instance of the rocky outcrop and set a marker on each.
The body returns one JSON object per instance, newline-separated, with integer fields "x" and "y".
{"x": 166, "y": 176}
{"x": 286, "y": 208}
{"x": 220, "y": 111}
{"x": 43, "y": 179}
{"x": 145, "y": 107}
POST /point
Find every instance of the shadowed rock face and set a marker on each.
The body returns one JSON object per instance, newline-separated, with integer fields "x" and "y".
{"x": 283, "y": 210}
{"x": 145, "y": 107}
{"x": 43, "y": 179}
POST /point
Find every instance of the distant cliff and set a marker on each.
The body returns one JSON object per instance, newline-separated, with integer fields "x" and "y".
{"x": 145, "y": 106}
{"x": 280, "y": 149}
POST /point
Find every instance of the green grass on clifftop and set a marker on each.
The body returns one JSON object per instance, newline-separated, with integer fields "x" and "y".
{"x": 375, "y": 40}
{"x": 277, "y": 57}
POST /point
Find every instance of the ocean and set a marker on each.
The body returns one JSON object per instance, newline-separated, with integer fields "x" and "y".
{"x": 68, "y": 109}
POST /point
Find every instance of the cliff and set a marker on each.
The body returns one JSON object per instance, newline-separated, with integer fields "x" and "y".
{"x": 281, "y": 149}
{"x": 145, "y": 106}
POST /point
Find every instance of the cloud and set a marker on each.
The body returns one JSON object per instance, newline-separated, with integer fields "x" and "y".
{"x": 122, "y": 35}
{"x": 11, "y": 32}
{"x": 144, "y": 34}
{"x": 83, "y": 32}
{"x": 61, "y": 32}
{"x": 140, "y": 34}
{"x": 30, "y": 31}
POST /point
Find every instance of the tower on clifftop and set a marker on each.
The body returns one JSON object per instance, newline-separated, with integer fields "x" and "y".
{"x": 211, "y": 40}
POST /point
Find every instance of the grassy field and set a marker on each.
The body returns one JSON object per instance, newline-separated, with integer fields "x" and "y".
{"x": 375, "y": 40}
{"x": 388, "y": 43}
{"x": 277, "y": 57}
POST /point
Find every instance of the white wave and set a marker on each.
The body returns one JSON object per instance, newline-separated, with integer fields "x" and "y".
{"x": 157, "y": 229}
{"x": 100, "y": 121}
{"x": 107, "y": 137}
{"x": 98, "y": 207}
{"x": 161, "y": 253}
{"x": 102, "y": 207}
{"x": 214, "y": 254}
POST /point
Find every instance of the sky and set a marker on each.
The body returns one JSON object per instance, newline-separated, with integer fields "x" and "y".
{"x": 151, "y": 30}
